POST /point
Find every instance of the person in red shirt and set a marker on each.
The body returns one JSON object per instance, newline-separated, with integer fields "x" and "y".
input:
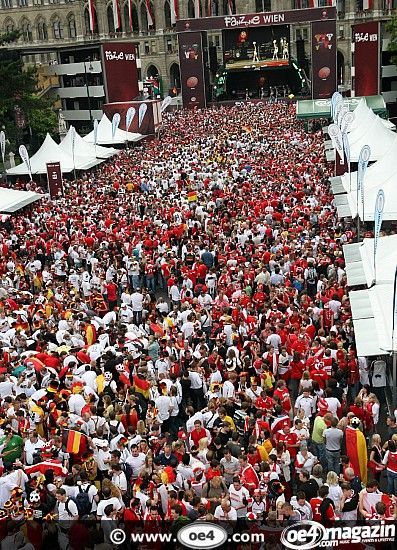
{"x": 290, "y": 439}
{"x": 111, "y": 293}
{"x": 322, "y": 507}
{"x": 282, "y": 393}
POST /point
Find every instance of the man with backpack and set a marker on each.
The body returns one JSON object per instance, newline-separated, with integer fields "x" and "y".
{"x": 67, "y": 509}
{"x": 86, "y": 497}
{"x": 311, "y": 279}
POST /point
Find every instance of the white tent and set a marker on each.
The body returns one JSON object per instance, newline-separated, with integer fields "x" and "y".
{"x": 50, "y": 151}
{"x": 347, "y": 204}
{"x": 372, "y": 132}
{"x": 84, "y": 148}
{"x": 105, "y": 137}
{"x": 359, "y": 259}
{"x": 12, "y": 200}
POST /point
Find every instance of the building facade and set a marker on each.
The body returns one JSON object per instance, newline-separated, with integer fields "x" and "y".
{"x": 56, "y": 34}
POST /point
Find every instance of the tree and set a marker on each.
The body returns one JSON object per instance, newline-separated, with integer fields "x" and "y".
{"x": 391, "y": 28}
{"x": 24, "y": 116}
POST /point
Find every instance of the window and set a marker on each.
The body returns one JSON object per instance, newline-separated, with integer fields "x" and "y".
{"x": 72, "y": 26}
{"x": 57, "y": 29}
{"x": 169, "y": 46}
{"x": 167, "y": 15}
{"x": 263, "y": 5}
{"x": 109, "y": 12}
{"x": 147, "y": 48}
{"x": 42, "y": 32}
{"x": 87, "y": 21}
{"x": 153, "y": 46}
{"x": 301, "y": 4}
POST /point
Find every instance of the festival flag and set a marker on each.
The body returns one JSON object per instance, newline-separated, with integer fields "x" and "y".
{"x": 150, "y": 16}
{"x": 192, "y": 196}
{"x": 141, "y": 113}
{"x": 115, "y": 123}
{"x": 3, "y": 144}
{"x": 129, "y": 117}
{"x": 130, "y": 21}
{"x": 230, "y": 7}
{"x": 73, "y": 442}
{"x": 363, "y": 160}
{"x": 379, "y": 207}
{"x": 196, "y": 9}
{"x": 43, "y": 467}
{"x": 91, "y": 12}
{"x": 335, "y": 99}
{"x": 116, "y": 15}
{"x": 346, "y": 149}
{"x": 174, "y": 12}
{"x": 96, "y": 123}
{"x": 368, "y": 5}
{"x": 356, "y": 450}
{"x": 23, "y": 153}
{"x": 141, "y": 386}
{"x": 389, "y": 5}
{"x": 313, "y": 4}
{"x": 336, "y": 137}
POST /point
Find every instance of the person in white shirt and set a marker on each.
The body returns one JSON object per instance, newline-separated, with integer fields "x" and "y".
{"x": 67, "y": 509}
{"x": 239, "y": 497}
{"x": 31, "y": 447}
{"x": 136, "y": 460}
{"x": 306, "y": 402}
{"x": 224, "y": 512}
{"x": 76, "y": 402}
{"x": 164, "y": 407}
{"x": 228, "y": 390}
{"x": 119, "y": 479}
{"x": 107, "y": 499}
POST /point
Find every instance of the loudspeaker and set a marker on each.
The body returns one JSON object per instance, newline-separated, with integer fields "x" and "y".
{"x": 213, "y": 59}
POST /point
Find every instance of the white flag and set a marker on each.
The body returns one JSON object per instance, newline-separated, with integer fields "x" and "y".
{"x": 129, "y": 117}
{"x": 96, "y": 132}
{"x": 3, "y": 144}
{"x": 336, "y": 137}
{"x": 142, "y": 113}
{"x": 23, "y": 153}
{"x": 115, "y": 123}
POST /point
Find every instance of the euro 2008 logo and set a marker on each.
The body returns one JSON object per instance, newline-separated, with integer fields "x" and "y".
{"x": 304, "y": 535}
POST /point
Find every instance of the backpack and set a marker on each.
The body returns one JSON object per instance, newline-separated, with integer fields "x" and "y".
{"x": 311, "y": 276}
{"x": 114, "y": 430}
{"x": 82, "y": 501}
{"x": 127, "y": 469}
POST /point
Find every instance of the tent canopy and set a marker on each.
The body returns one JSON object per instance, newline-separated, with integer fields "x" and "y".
{"x": 12, "y": 200}
{"x": 84, "y": 148}
{"x": 50, "y": 151}
{"x": 321, "y": 108}
{"x": 105, "y": 136}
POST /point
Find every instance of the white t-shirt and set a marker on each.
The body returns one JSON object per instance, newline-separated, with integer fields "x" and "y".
{"x": 221, "y": 516}
{"x": 103, "y": 503}
{"x": 66, "y": 510}
{"x": 31, "y": 448}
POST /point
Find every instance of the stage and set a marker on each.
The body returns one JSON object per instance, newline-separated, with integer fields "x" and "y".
{"x": 262, "y": 64}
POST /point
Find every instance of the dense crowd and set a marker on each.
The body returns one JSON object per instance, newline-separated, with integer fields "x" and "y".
{"x": 177, "y": 344}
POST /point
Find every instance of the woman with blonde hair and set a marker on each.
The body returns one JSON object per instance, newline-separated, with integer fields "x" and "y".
{"x": 335, "y": 492}
{"x": 306, "y": 382}
{"x": 373, "y": 407}
{"x": 376, "y": 456}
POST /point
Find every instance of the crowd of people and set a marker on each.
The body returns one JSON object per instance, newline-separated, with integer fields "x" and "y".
{"x": 177, "y": 344}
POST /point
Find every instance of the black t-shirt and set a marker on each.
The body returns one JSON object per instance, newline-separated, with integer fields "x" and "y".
{"x": 310, "y": 488}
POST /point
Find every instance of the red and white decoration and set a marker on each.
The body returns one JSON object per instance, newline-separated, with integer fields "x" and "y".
{"x": 150, "y": 16}
{"x": 116, "y": 15}
{"x": 230, "y": 7}
{"x": 91, "y": 12}
{"x": 196, "y": 9}
{"x": 174, "y": 11}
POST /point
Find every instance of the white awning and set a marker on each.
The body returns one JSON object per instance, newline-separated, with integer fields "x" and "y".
{"x": 12, "y": 200}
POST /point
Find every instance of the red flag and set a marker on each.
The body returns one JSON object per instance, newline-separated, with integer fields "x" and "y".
{"x": 368, "y": 5}
{"x": 313, "y": 4}
{"x": 230, "y": 7}
{"x": 174, "y": 11}
{"x": 75, "y": 442}
{"x": 42, "y": 467}
{"x": 116, "y": 15}
{"x": 91, "y": 12}
{"x": 150, "y": 16}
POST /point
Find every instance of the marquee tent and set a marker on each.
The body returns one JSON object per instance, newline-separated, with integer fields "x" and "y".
{"x": 12, "y": 200}
{"x": 321, "y": 108}
{"x": 359, "y": 259}
{"x": 84, "y": 148}
{"x": 105, "y": 137}
{"x": 50, "y": 151}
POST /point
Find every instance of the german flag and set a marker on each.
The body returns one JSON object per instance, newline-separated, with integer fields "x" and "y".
{"x": 141, "y": 386}
{"x": 356, "y": 450}
{"x": 192, "y": 196}
{"x": 73, "y": 442}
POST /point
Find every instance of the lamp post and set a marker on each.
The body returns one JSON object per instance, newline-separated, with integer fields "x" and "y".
{"x": 90, "y": 68}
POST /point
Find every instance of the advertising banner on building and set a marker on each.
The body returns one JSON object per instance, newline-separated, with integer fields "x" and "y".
{"x": 323, "y": 59}
{"x": 192, "y": 70}
{"x": 366, "y": 58}
{"x": 120, "y": 71}
{"x": 54, "y": 179}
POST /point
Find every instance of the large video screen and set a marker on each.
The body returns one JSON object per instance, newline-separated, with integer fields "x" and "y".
{"x": 256, "y": 47}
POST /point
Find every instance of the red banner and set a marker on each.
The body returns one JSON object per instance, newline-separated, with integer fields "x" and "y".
{"x": 54, "y": 179}
{"x": 121, "y": 73}
{"x": 192, "y": 69}
{"x": 366, "y": 58}
{"x": 323, "y": 59}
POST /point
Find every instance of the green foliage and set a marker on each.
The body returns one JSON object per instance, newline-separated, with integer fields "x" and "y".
{"x": 18, "y": 89}
{"x": 391, "y": 28}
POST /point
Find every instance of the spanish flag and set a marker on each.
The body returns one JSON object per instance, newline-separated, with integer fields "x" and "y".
{"x": 192, "y": 196}
{"x": 73, "y": 442}
{"x": 141, "y": 386}
{"x": 356, "y": 450}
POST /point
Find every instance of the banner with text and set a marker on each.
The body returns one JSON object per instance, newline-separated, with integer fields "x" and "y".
{"x": 323, "y": 59}
{"x": 54, "y": 179}
{"x": 121, "y": 73}
{"x": 192, "y": 70}
{"x": 366, "y": 58}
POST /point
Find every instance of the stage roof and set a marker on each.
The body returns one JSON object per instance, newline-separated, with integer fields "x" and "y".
{"x": 321, "y": 108}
